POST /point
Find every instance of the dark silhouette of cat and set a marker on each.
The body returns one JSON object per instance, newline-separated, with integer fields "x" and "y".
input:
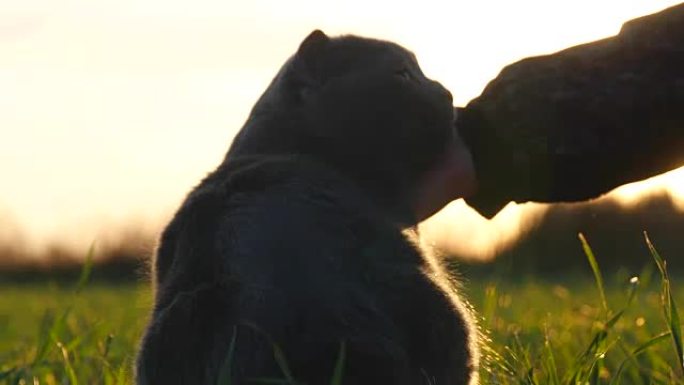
{"x": 297, "y": 254}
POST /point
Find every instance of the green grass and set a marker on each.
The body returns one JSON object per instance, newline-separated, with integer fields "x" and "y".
{"x": 577, "y": 329}
{"x": 56, "y": 335}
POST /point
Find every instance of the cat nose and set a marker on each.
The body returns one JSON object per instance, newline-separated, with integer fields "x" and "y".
{"x": 445, "y": 92}
{"x": 449, "y": 95}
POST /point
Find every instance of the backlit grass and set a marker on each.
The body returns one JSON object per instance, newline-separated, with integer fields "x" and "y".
{"x": 615, "y": 329}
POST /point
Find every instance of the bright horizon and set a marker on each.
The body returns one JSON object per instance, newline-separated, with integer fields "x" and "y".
{"x": 111, "y": 111}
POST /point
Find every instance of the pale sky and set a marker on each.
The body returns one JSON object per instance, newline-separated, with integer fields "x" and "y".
{"x": 110, "y": 111}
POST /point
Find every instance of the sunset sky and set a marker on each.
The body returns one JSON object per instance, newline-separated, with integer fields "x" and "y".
{"x": 110, "y": 111}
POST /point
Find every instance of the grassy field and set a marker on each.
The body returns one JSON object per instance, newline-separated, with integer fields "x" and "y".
{"x": 578, "y": 329}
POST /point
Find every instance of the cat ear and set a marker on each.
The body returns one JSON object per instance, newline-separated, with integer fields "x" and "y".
{"x": 307, "y": 67}
{"x": 312, "y": 45}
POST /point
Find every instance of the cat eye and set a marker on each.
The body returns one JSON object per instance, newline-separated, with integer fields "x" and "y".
{"x": 404, "y": 73}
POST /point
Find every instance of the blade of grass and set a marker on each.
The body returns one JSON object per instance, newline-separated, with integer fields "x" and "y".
{"x": 225, "y": 374}
{"x": 585, "y": 364}
{"x": 632, "y": 357}
{"x": 596, "y": 363}
{"x": 593, "y": 373}
{"x": 121, "y": 378}
{"x": 489, "y": 307}
{"x": 528, "y": 368}
{"x": 579, "y": 366}
{"x": 633, "y": 286}
{"x": 669, "y": 305}
{"x": 550, "y": 360}
{"x": 276, "y": 381}
{"x": 47, "y": 323}
{"x": 51, "y": 333}
{"x": 7, "y": 373}
{"x": 339, "y": 365}
{"x": 282, "y": 363}
{"x": 595, "y": 268}
{"x": 278, "y": 355}
{"x": 107, "y": 345}
{"x": 86, "y": 269}
{"x": 73, "y": 380}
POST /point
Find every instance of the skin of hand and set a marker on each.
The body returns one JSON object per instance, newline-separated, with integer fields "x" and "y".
{"x": 452, "y": 178}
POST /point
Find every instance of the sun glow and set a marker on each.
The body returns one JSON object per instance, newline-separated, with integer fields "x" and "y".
{"x": 113, "y": 110}
{"x": 459, "y": 230}
{"x": 671, "y": 183}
